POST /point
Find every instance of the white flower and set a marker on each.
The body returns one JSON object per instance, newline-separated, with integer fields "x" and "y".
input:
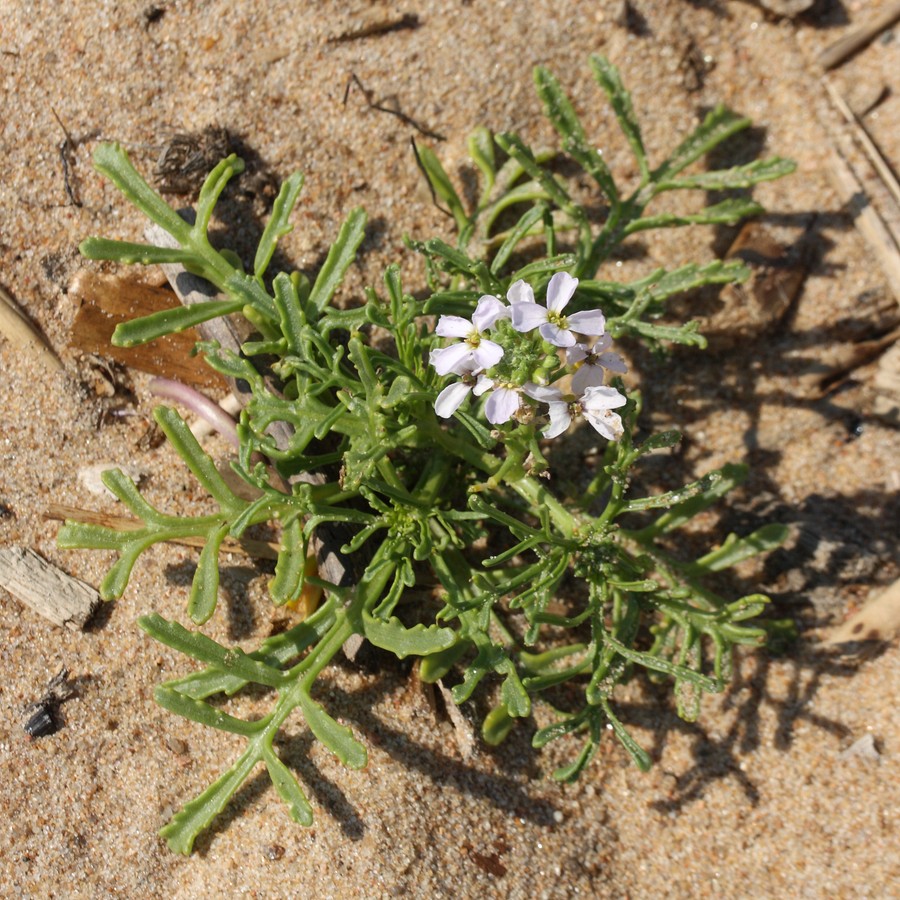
{"x": 501, "y": 406}
{"x": 503, "y": 403}
{"x": 552, "y": 324}
{"x": 559, "y": 410}
{"x": 451, "y": 397}
{"x": 590, "y": 363}
{"x": 473, "y": 352}
{"x": 597, "y": 404}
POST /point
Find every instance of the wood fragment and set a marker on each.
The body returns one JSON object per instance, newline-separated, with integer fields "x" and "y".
{"x": 50, "y": 592}
{"x": 244, "y": 546}
{"x": 844, "y": 48}
{"x": 105, "y": 301}
{"x": 22, "y": 333}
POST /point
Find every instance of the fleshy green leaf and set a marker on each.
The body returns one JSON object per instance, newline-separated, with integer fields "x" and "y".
{"x": 441, "y": 184}
{"x": 421, "y": 640}
{"x": 170, "y": 321}
{"x": 278, "y": 225}
{"x": 718, "y": 125}
{"x": 288, "y": 789}
{"x": 340, "y": 257}
{"x": 610, "y": 80}
{"x": 337, "y": 738}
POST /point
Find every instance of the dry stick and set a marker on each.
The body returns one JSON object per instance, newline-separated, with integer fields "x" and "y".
{"x": 377, "y": 27}
{"x": 59, "y": 597}
{"x": 861, "y": 133}
{"x": 871, "y": 226}
{"x": 327, "y": 540}
{"x": 848, "y": 45}
{"x": 244, "y": 546}
{"x": 66, "y": 148}
{"x": 23, "y": 334}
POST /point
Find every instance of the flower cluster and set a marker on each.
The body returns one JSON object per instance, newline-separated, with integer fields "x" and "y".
{"x": 493, "y": 364}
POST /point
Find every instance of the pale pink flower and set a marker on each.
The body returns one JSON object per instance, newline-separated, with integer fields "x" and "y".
{"x": 591, "y": 364}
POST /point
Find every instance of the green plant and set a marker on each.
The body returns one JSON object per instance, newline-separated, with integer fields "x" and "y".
{"x": 440, "y": 482}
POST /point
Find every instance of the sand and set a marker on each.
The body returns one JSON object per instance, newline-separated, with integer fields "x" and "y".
{"x": 757, "y": 799}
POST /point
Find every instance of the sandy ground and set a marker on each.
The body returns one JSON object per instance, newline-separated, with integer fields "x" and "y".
{"x": 756, "y": 799}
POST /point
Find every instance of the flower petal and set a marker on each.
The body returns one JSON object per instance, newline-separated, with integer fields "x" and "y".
{"x": 487, "y": 354}
{"x": 560, "y": 419}
{"x": 613, "y": 362}
{"x": 608, "y": 423}
{"x": 559, "y": 337}
{"x": 501, "y": 405}
{"x": 520, "y": 292}
{"x": 450, "y": 398}
{"x": 559, "y": 291}
{"x": 576, "y": 354}
{"x": 587, "y": 376}
{"x": 596, "y": 399}
{"x": 483, "y": 385}
{"x": 456, "y": 358}
{"x": 543, "y": 393}
{"x": 453, "y": 326}
{"x": 591, "y": 322}
{"x": 488, "y": 311}
{"x": 527, "y": 316}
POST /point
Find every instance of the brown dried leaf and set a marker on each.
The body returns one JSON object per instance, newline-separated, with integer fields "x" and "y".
{"x": 106, "y": 300}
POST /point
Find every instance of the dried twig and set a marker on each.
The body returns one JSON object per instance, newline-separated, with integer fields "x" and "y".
{"x": 864, "y": 139}
{"x": 848, "y": 45}
{"x": 377, "y": 27}
{"x": 66, "y": 149}
{"x": 409, "y": 120}
{"x": 245, "y": 546}
{"x": 869, "y": 223}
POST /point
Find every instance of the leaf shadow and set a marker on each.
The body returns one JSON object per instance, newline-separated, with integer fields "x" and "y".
{"x": 502, "y": 791}
{"x": 717, "y": 757}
